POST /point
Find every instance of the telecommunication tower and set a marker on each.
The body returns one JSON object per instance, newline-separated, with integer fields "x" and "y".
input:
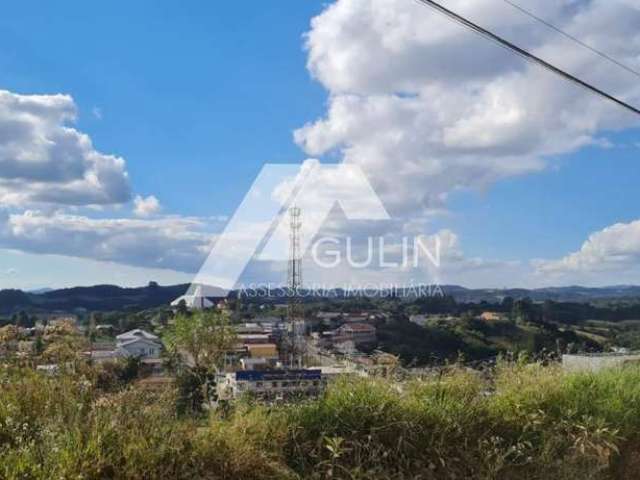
{"x": 295, "y": 313}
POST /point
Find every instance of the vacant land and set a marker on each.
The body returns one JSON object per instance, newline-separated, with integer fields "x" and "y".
{"x": 525, "y": 422}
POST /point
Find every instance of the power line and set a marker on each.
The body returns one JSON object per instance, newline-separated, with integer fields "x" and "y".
{"x": 571, "y": 37}
{"x": 524, "y": 53}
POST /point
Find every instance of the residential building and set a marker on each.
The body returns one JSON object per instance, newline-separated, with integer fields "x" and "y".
{"x": 262, "y": 350}
{"x": 253, "y": 338}
{"x": 271, "y": 384}
{"x": 136, "y": 334}
{"x": 361, "y": 317}
{"x": 254, "y": 363}
{"x": 249, "y": 328}
{"x": 270, "y": 319}
{"x": 100, "y": 356}
{"x": 59, "y": 319}
{"x": 490, "y": 316}
{"x": 139, "y": 343}
{"x": 360, "y": 334}
{"x": 348, "y": 347}
{"x": 420, "y": 320}
{"x": 329, "y": 319}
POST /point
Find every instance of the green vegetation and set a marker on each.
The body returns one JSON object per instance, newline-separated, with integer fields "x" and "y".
{"x": 524, "y": 422}
{"x": 197, "y": 345}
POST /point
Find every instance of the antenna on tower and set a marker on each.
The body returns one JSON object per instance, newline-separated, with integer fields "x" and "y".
{"x": 295, "y": 314}
{"x": 294, "y": 274}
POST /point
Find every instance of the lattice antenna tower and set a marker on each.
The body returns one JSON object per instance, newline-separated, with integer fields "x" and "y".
{"x": 294, "y": 274}
{"x": 295, "y": 315}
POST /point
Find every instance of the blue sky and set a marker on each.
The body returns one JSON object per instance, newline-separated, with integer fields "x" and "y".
{"x": 196, "y": 98}
{"x": 550, "y": 213}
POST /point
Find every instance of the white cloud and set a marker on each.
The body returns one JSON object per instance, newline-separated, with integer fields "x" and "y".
{"x": 45, "y": 161}
{"x": 613, "y": 249}
{"x": 144, "y": 207}
{"x": 175, "y": 243}
{"x": 426, "y": 107}
{"x": 369, "y": 262}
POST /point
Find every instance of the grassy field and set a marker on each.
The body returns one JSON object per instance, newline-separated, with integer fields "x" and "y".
{"x": 525, "y": 422}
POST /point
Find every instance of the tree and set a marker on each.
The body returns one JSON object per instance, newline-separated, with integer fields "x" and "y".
{"x": 201, "y": 341}
{"x": 39, "y": 345}
{"x": 181, "y": 309}
{"x": 203, "y": 338}
{"x": 21, "y": 319}
{"x": 64, "y": 349}
{"x": 522, "y": 311}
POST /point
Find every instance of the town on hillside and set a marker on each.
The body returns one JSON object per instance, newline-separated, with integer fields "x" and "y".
{"x": 251, "y": 346}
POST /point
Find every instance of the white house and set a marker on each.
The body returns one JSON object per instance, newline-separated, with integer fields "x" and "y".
{"x": 136, "y": 334}
{"x": 139, "y": 343}
{"x": 419, "y": 319}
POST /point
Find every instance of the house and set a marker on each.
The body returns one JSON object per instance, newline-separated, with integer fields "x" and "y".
{"x": 252, "y": 338}
{"x": 358, "y": 333}
{"x": 420, "y": 320}
{"x": 423, "y": 320}
{"x": 138, "y": 343}
{"x": 60, "y": 319}
{"x": 100, "y": 356}
{"x": 262, "y": 350}
{"x": 136, "y": 334}
{"x": 254, "y": 363}
{"x": 268, "y": 319}
{"x": 328, "y": 318}
{"x": 490, "y": 316}
{"x": 249, "y": 328}
{"x": 104, "y": 329}
{"x": 347, "y": 347}
{"x": 361, "y": 317}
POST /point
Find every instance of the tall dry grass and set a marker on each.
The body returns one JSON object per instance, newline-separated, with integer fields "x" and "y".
{"x": 526, "y": 422}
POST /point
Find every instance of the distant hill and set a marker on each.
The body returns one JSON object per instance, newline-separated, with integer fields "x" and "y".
{"x": 113, "y": 297}
{"x": 98, "y": 297}
{"x": 558, "y": 294}
{"x": 40, "y": 290}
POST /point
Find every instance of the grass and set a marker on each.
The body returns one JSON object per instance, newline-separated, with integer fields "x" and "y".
{"x": 527, "y": 421}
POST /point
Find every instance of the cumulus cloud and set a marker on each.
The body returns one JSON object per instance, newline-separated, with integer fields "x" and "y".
{"x": 614, "y": 249}
{"x": 44, "y": 160}
{"x": 175, "y": 243}
{"x": 427, "y": 108}
{"x": 357, "y": 261}
{"x": 144, "y": 207}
